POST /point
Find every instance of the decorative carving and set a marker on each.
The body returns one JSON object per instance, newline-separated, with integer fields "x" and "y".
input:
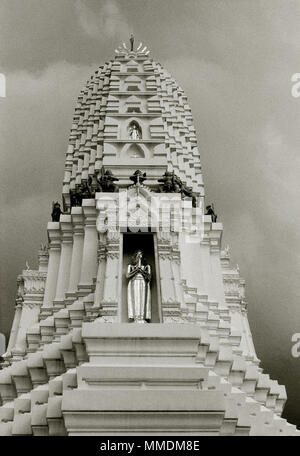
{"x": 138, "y": 177}
{"x": 171, "y": 311}
{"x": 44, "y": 248}
{"x": 56, "y": 212}
{"x": 170, "y": 183}
{"x": 101, "y": 252}
{"x": 108, "y": 319}
{"x": 34, "y": 281}
{"x": 123, "y": 50}
{"x": 164, "y": 237}
{"x": 82, "y": 191}
{"x": 173, "y": 184}
{"x": 86, "y": 188}
{"x": 165, "y": 256}
{"x": 20, "y": 290}
{"x": 113, "y": 253}
{"x": 137, "y": 213}
{"x": 210, "y": 211}
{"x": 187, "y": 191}
{"x": 231, "y": 286}
{"x": 106, "y": 181}
{"x": 113, "y": 244}
{"x": 43, "y": 256}
{"x": 173, "y": 319}
{"x": 113, "y": 237}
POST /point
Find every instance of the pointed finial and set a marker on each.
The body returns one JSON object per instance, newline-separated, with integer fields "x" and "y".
{"x": 131, "y": 42}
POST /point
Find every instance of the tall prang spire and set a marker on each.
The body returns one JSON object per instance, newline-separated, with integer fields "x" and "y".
{"x": 78, "y": 350}
{"x": 132, "y": 115}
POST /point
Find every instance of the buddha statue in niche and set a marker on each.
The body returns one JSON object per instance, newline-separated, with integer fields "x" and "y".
{"x": 138, "y": 289}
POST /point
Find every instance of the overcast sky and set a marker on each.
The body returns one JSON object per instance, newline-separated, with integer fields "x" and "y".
{"x": 234, "y": 59}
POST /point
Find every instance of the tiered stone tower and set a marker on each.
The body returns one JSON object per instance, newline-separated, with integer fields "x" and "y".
{"x": 75, "y": 364}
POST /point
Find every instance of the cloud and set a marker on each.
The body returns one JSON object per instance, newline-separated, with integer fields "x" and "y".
{"x": 284, "y": 21}
{"x": 108, "y": 21}
{"x": 235, "y": 61}
{"x": 36, "y": 117}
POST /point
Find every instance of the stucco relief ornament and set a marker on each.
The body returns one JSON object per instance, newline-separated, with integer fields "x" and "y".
{"x": 138, "y": 290}
{"x": 138, "y": 178}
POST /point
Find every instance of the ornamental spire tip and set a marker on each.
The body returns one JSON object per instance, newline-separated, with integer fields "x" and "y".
{"x": 140, "y": 50}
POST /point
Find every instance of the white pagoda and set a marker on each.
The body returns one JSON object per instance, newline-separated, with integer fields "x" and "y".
{"x": 135, "y": 323}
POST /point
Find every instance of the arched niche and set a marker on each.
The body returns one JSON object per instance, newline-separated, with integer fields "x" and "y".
{"x": 134, "y": 150}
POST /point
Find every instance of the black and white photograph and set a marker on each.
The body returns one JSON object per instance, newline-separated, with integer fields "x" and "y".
{"x": 149, "y": 221}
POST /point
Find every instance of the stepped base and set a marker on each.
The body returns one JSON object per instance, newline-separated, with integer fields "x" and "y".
{"x": 142, "y": 380}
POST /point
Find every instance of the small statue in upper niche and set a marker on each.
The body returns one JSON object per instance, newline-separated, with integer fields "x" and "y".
{"x": 210, "y": 211}
{"x": 134, "y": 132}
{"x": 106, "y": 181}
{"x": 56, "y": 212}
